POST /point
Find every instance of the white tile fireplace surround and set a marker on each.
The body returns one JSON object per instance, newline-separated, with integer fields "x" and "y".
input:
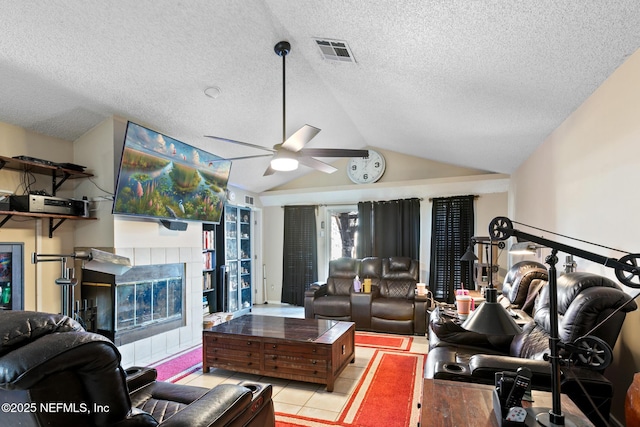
{"x": 147, "y": 350}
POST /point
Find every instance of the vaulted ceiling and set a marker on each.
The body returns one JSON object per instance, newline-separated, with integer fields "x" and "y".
{"x": 473, "y": 83}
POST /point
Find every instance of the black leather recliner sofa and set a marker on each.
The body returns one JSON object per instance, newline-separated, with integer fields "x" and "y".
{"x": 391, "y": 306}
{"x": 53, "y": 373}
{"x": 584, "y": 301}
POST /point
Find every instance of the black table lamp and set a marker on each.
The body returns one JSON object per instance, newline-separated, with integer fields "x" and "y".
{"x": 490, "y": 318}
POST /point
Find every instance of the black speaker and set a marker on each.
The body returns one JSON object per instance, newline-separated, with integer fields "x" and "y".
{"x": 174, "y": 225}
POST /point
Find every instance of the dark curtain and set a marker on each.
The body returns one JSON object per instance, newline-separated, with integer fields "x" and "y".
{"x": 365, "y": 230}
{"x": 300, "y": 260}
{"x": 389, "y": 228}
{"x": 452, "y": 222}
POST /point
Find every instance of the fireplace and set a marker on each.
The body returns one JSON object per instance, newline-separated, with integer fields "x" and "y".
{"x": 144, "y": 301}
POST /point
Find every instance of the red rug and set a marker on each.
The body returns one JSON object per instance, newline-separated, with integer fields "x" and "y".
{"x": 179, "y": 365}
{"x": 389, "y": 342}
{"x": 386, "y": 395}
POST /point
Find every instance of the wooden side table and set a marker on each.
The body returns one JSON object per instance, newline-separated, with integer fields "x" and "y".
{"x": 453, "y": 403}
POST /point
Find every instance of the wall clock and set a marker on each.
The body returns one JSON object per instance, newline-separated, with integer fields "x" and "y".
{"x": 366, "y": 171}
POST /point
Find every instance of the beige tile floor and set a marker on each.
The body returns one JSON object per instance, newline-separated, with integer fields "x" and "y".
{"x": 294, "y": 397}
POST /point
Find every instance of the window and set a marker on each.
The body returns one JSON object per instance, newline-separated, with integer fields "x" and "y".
{"x": 342, "y": 232}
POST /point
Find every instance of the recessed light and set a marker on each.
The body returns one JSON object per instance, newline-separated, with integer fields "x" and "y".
{"x": 213, "y": 92}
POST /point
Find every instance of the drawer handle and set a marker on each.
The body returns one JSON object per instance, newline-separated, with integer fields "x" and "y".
{"x": 314, "y": 362}
{"x": 315, "y": 350}
{"x": 274, "y": 357}
{"x": 248, "y": 354}
{"x": 249, "y": 364}
{"x": 275, "y": 346}
{"x": 248, "y": 342}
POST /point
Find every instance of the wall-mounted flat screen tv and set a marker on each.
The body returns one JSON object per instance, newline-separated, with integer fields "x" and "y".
{"x": 161, "y": 177}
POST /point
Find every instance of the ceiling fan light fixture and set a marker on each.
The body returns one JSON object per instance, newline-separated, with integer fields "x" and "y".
{"x": 284, "y": 161}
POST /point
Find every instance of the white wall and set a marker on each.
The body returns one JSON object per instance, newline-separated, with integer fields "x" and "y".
{"x": 40, "y": 291}
{"x": 581, "y": 183}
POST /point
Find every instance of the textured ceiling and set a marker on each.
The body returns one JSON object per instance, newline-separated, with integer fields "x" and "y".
{"x": 475, "y": 83}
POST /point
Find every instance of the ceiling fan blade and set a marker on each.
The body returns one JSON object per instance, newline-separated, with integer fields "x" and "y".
{"x": 333, "y": 152}
{"x": 249, "y": 157}
{"x": 303, "y": 135}
{"x": 317, "y": 164}
{"x": 269, "y": 171}
{"x": 246, "y": 144}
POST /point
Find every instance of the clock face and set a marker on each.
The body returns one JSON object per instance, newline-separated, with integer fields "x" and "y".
{"x": 366, "y": 171}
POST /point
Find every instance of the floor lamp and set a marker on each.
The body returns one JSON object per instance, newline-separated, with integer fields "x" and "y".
{"x": 627, "y": 272}
{"x": 93, "y": 259}
{"x": 470, "y": 256}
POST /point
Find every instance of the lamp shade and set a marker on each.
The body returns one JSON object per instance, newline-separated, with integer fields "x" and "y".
{"x": 491, "y": 318}
{"x": 469, "y": 255}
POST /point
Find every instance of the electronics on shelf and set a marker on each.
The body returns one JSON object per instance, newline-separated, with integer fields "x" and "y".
{"x": 38, "y": 203}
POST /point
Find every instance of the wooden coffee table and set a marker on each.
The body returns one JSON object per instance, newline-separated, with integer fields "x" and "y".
{"x": 308, "y": 350}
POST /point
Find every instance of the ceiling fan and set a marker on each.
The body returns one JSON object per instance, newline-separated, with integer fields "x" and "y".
{"x": 287, "y": 155}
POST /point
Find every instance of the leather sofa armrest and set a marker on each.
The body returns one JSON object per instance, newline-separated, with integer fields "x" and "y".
{"x": 420, "y": 306}
{"x": 316, "y": 289}
{"x": 486, "y": 365}
{"x": 137, "y": 418}
{"x": 219, "y": 406}
{"x": 361, "y": 309}
{"x": 138, "y": 377}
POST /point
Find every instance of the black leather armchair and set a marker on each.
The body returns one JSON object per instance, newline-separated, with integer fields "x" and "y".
{"x": 54, "y": 373}
{"x": 331, "y": 300}
{"x": 584, "y": 300}
{"x": 395, "y": 307}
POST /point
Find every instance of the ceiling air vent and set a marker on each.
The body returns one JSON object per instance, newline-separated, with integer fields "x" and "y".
{"x": 248, "y": 200}
{"x": 335, "y": 50}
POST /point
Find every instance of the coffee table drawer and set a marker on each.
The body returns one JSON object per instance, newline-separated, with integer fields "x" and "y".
{"x": 276, "y": 347}
{"x": 295, "y": 364}
{"x": 217, "y": 341}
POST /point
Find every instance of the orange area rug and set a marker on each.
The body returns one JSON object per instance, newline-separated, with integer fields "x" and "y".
{"x": 389, "y": 342}
{"x": 386, "y": 395}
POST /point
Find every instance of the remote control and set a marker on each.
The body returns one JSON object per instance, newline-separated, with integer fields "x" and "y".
{"x": 516, "y": 414}
{"x": 520, "y": 386}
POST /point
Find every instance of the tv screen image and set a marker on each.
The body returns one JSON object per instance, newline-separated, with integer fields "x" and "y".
{"x": 161, "y": 177}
